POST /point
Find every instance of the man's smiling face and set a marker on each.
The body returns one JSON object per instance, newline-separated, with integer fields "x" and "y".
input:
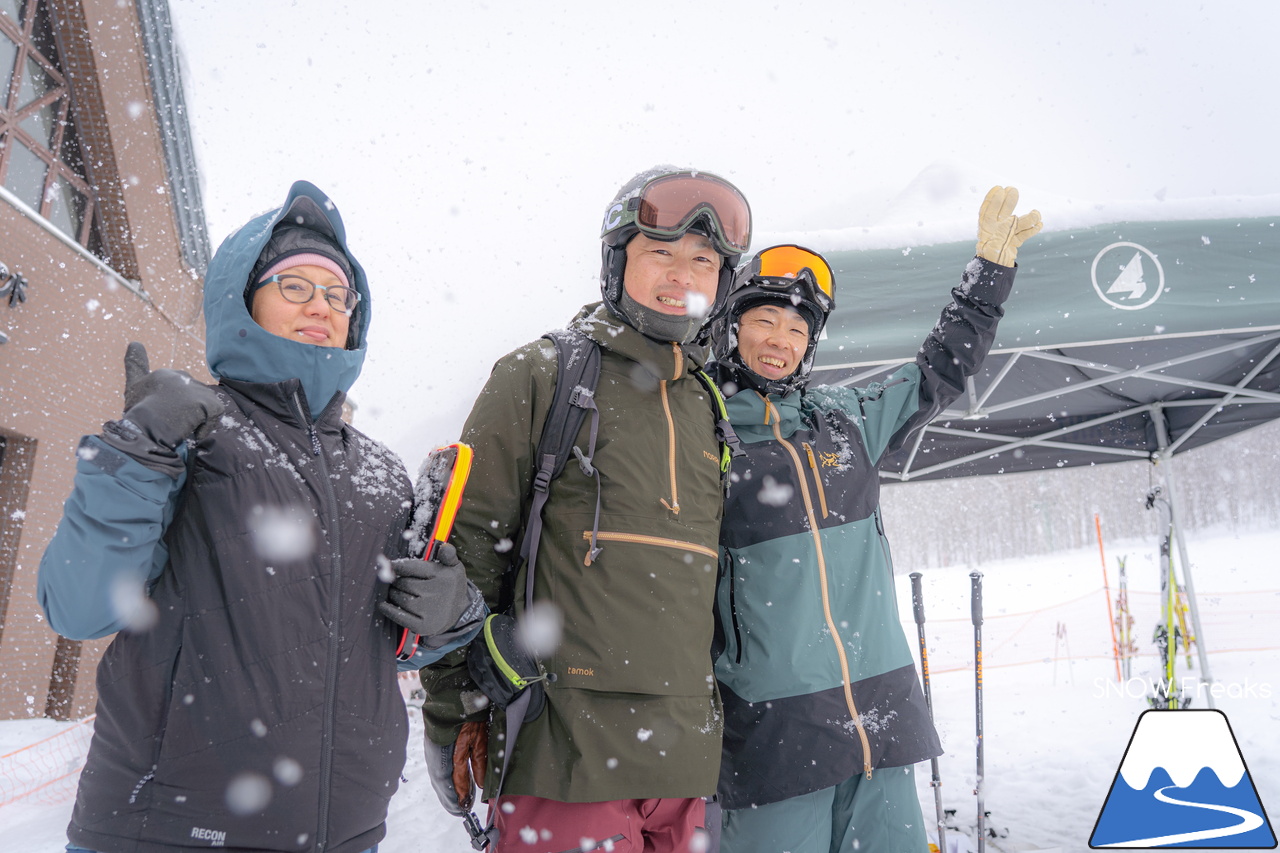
{"x": 772, "y": 339}
{"x": 677, "y": 277}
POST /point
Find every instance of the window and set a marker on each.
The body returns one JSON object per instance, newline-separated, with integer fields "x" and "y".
{"x": 40, "y": 159}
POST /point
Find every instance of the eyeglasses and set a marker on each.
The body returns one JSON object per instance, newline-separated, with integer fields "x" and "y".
{"x": 782, "y": 267}
{"x": 296, "y": 289}
{"x": 666, "y": 206}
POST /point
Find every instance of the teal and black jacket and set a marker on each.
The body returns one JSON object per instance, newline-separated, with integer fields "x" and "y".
{"x": 816, "y": 673}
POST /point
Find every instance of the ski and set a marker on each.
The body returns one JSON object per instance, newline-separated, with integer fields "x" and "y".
{"x": 1168, "y": 634}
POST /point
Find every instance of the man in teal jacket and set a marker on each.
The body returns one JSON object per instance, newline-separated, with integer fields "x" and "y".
{"x": 824, "y": 713}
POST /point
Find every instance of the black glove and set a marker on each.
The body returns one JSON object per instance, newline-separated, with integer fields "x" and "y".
{"x": 427, "y": 596}
{"x": 167, "y": 406}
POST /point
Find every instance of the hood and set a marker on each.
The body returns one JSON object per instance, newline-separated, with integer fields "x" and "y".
{"x": 668, "y": 361}
{"x": 238, "y": 348}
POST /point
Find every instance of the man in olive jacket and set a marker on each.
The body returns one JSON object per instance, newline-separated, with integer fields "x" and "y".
{"x": 628, "y": 743}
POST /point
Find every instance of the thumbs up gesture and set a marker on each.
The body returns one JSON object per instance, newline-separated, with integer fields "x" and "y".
{"x": 1000, "y": 233}
{"x": 167, "y": 405}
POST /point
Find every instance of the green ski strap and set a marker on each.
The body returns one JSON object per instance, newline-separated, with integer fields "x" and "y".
{"x": 730, "y": 445}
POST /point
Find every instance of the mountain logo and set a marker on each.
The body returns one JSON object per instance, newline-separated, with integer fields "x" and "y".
{"x": 1182, "y": 782}
{"x": 1126, "y": 288}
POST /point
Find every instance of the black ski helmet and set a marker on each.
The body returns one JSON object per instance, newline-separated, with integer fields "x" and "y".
{"x": 664, "y": 203}
{"x": 788, "y": 275}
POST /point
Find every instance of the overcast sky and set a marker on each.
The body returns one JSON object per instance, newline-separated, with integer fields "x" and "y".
{"x": 473, "y": 147}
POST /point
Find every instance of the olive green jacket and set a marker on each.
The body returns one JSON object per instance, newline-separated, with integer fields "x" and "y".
{"x": 632, "y": 710}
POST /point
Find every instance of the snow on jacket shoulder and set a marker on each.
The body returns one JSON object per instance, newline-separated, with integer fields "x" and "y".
{"x": 816, "y": 673}
{"x": 633, "y": 711}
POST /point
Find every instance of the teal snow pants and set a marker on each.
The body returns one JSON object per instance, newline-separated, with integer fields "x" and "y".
{"x": 877, "y": 816}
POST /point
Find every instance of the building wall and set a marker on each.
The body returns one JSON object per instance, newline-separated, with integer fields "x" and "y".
{"x": 61, "y": 372}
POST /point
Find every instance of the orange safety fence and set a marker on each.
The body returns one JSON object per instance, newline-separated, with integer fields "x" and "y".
{"x": 1079, "y": 630}
{"x": 46, "y": 771}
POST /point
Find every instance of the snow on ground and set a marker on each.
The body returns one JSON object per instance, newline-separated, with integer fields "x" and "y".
{"x": 1055, "y": 730}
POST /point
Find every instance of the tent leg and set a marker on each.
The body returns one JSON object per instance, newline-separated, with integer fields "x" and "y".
{"x": 1162, "y": 437}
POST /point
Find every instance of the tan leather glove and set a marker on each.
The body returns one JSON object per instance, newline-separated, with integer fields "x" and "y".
{"x": 470, "y": 758}
{"x": 1000, "y": 233}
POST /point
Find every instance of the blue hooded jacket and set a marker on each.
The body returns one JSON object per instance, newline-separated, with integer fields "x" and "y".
{"x": 238, "y": 348}
{"x": 111, "y": 535}
{"x": 235, "y": 654}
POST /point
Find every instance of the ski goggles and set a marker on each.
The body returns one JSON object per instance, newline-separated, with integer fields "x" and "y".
{"x": 666, "y": 206}
{"x": 781, "y": 268}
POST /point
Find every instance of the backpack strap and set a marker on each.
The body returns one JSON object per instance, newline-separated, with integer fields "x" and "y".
{"x": 730, "y": 444}
{"x": 577, "y": 374}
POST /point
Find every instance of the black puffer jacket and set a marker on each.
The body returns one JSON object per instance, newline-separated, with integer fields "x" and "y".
{"x": 260, "y": 709}
{"x": 230, "y": 698}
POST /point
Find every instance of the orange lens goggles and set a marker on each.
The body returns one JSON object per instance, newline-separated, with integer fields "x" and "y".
{"x": 793, "y": 262}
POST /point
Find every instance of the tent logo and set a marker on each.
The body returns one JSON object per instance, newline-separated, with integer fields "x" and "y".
{"x": 1182, "y": 780}
{"x": 1129, "y": 283}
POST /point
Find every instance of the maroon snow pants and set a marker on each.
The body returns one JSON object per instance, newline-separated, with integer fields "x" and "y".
{"x": 536, "y": 825}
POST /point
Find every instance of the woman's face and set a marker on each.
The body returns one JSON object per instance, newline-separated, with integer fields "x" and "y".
{"x": 312, "y": 322}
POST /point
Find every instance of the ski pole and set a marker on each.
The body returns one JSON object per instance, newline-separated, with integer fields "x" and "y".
{"x": 917, "y": 605}
{"x": 1106, "y": 589}
{"x": 975, "y": 603}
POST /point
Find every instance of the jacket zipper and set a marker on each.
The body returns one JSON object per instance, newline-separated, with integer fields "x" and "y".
{"x": 644, "y": 539}
{"x": 817, "y": 477}
{"x": 311, "y": 428}
{"x": 774, "y": 419}
{"x": 335, "y": 611}
{"x": 674, "y": 506}
{"x": 727, "y": 558}
{"x": 164, "y": 728}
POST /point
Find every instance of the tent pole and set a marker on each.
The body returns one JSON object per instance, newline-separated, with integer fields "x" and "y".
{"x": 1162, "y": 437}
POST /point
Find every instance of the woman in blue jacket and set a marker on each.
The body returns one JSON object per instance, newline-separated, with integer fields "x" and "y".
{"x": 824, "y": 713}
{"x": 230, "y": 537}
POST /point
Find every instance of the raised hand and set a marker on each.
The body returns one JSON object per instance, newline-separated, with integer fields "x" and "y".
{"x": 1000, "y": 232}
{"x": 167, "y": 405}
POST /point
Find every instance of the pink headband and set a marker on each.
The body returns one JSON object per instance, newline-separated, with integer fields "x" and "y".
{"x": 312, "y": 259}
